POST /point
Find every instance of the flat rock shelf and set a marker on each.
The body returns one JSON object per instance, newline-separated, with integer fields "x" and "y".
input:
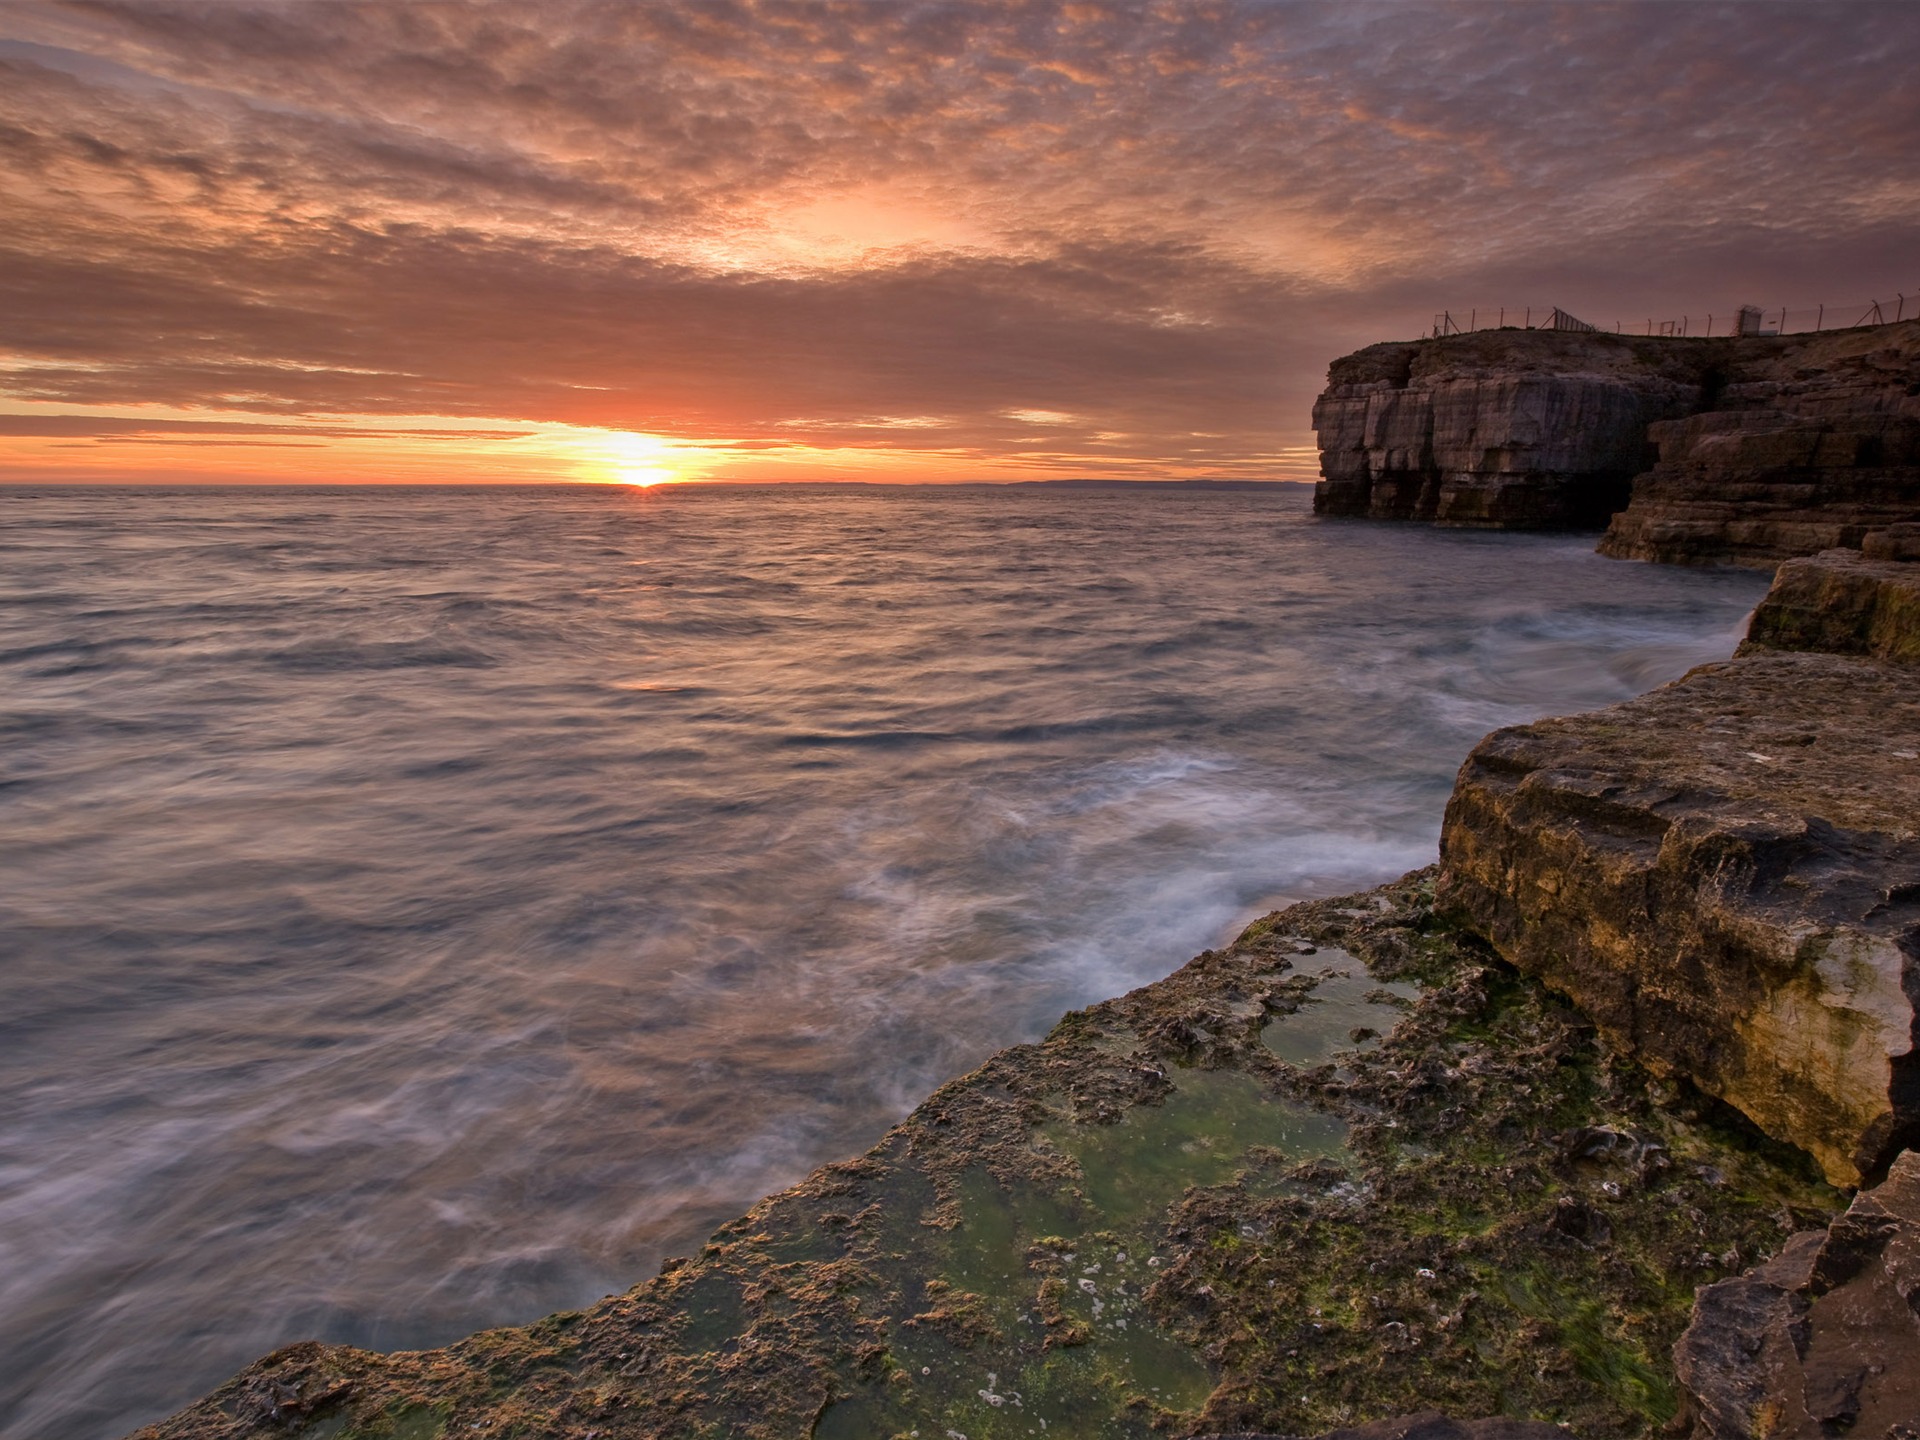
{"x": 1349, "y": 1168}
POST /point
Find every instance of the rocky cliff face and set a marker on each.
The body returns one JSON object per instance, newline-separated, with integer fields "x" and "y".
{"x": 1501, "y": 429}
{"x": 1805, "y": 449}
{"x": 1740, "y": 450}
{"x": 1725, "y": 873}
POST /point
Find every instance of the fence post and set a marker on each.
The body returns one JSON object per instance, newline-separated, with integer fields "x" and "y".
{"x": 1529, "y": 317}
{"x": 1473, "y": 318}
{"x": 1709, "y": 324}
{"x": 1820, "y": 318}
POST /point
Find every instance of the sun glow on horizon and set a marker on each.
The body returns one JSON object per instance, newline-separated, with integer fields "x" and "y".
{"x": 628, "y": 457}
{"x": 44, "y": 442}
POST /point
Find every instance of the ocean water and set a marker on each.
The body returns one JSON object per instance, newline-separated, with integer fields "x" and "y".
{"x": 425, "y": 909}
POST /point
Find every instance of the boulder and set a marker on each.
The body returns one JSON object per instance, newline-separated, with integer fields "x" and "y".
{"x": 1841, "y": 602}
{"x": 1725, "y": 875}
{"x": 1823, "y": 1338}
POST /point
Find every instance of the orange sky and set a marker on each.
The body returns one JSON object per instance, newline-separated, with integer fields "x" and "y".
{"x": 876, "y": 241}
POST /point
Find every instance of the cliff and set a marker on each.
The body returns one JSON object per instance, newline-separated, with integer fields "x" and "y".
{"x": 1507, "y": 429}
{"x": 1744, "y": 450}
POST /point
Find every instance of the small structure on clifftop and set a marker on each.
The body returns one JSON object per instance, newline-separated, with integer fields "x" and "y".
{"x": 1561, "y": 320}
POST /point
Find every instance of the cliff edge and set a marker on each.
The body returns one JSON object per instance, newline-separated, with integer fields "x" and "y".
{"x": 1744, "y": 450}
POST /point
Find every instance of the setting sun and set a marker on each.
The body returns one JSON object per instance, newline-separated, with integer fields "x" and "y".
{"x": 627, "y": 458}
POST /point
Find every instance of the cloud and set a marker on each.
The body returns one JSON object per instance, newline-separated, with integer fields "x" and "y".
{"x": 100, "y": 427}
{"x": 1153, "y": 224}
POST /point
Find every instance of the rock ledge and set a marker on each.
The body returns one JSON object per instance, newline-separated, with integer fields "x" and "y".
{"x": 1724, "y": 874}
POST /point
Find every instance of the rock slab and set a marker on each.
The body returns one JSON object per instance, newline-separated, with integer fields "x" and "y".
{"x": 1823, "y": 1338}
{"x": 1725, "y": 875}
{"x": 1839, "y": 602}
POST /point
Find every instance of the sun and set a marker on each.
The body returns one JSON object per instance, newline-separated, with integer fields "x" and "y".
{"x": 643, "y": 476}
{"x": 626, "y": 457}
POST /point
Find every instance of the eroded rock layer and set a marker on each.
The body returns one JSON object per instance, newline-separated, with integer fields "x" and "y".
{"x": 1502, "y": 429}
{"x": 1811, "y": 442}
{"x": 1742, "y": 450}
{"x": 1724, "y": 874}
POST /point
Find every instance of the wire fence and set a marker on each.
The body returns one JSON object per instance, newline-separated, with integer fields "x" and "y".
{"x": 1736, "y": 320}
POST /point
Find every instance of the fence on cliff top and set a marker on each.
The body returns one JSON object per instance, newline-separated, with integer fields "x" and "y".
{"x": 1780, "y": 320}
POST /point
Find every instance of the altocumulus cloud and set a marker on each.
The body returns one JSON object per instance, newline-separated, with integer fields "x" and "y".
{"x": 761, "y": 222}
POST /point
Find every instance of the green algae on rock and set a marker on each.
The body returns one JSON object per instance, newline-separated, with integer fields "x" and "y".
{"x": 1151, "y": 1223}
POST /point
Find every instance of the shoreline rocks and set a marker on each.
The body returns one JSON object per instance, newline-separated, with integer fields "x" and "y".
{"x": 1844, "y": 603}
{"x": 1822, "y": 1338}
{"x": 1152, "y": 1224}
{"x": 1725, "y": 875}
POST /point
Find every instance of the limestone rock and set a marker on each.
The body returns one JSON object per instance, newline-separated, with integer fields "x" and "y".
{"x": 1896, "y": 542}
{"x": 1840, "y": 602}
{"x": 1744, "y": 450}
{"x": 1813, "y": 442}
{"x": 1504, "y": 429}
{"x": 1823, "y": 1337}
{"x": 1756, "y": 486}
{"x": 1725, "y": 875}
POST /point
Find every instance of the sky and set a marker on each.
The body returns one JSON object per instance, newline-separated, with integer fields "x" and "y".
{"x": 879, "y": 241}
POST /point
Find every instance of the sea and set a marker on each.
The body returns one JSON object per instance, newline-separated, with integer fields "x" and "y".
{"x": 425, "y": 909}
